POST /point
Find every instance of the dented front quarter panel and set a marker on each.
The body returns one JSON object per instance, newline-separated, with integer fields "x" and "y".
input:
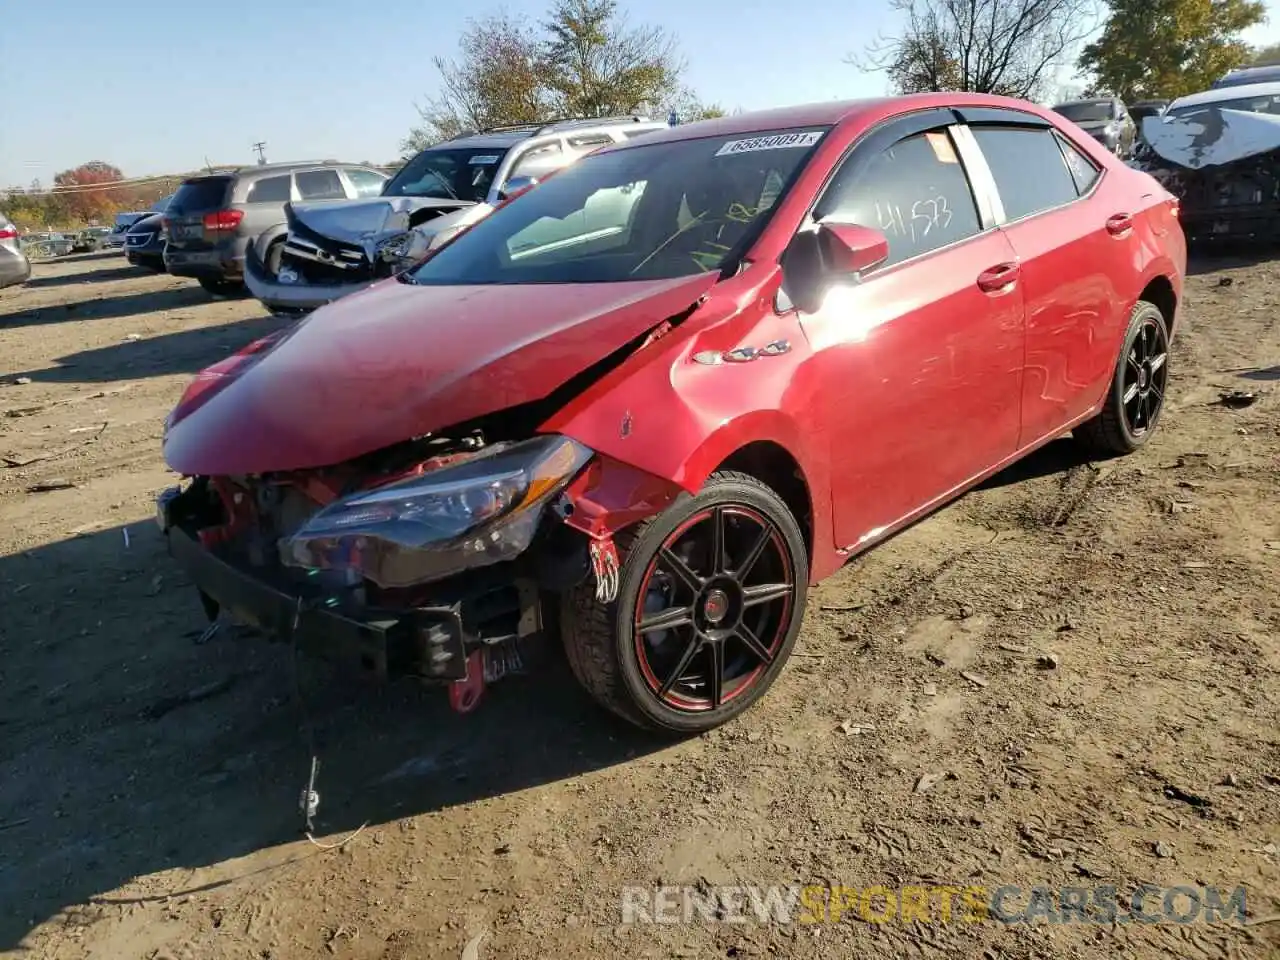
{"x": 676, "y": 420}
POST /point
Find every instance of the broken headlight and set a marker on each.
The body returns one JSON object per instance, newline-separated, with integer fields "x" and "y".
{"x": 395, "y": 248}
{"x": 479, "y": 511}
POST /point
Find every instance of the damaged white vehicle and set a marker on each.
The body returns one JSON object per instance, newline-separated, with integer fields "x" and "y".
{"x": 1219, "y": 153}
{"x": 325, "y": 251}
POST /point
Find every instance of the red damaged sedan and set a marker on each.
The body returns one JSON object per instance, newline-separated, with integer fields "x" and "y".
{"x": 643, "y": 406}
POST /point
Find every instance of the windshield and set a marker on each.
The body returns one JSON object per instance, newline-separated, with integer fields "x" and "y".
{"x": 448, "y": 174}
{"x": 646, "y": 212}
{"x": 1263, "y": 104}
{"x": 1093, "y": 111}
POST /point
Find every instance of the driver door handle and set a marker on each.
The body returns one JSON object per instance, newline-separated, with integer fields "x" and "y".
{"x": 1120, "y": 224}
{"x": 998, "y": 279}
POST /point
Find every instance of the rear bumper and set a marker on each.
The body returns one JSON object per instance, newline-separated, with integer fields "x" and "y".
{"x": 14, "y": 269}
{"x": 224, "y": 262}
{"x": 427, "y": 643}
{"x": 293, "y": 296}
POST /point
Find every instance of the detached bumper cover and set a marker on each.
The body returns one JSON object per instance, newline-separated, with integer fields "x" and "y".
{"x": 426, "y": 643}
{"x": 300, "y": 295}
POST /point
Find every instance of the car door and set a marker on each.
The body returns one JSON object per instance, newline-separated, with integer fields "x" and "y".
{"x": 1072, "y": 266}
{"x": 921, "y": 358}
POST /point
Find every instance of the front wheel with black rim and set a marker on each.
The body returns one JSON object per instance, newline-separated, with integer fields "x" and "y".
{"x": 709, "y": 603}
{"x": 1135, "y": 399}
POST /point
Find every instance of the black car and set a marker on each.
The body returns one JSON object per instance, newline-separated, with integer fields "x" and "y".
{"x": 144, "y": 243}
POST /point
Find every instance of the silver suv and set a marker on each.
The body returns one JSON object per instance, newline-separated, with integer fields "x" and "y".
{"x": 211, "y": 219}
{"x": 322, "y": 253}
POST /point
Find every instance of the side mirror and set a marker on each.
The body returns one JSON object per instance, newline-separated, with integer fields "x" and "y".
{"x": 816, "y": 258}
{"x": 516, "y": 186}
{"x": 849, "y": 248}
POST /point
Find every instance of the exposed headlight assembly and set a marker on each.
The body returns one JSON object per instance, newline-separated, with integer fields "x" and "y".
{"x": 480, "y": 511}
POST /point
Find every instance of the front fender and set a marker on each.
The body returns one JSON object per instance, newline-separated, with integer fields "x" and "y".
{"x": 263, "y": 241}
{"x": 673, "y": 418}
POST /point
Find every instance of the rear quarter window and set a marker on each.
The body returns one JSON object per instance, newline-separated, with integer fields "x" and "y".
{"x": 206, "y": 193}
{"x": 319, "y": 185}
{"x": 270, "y": 190}
{"x": 1030, "y": 171}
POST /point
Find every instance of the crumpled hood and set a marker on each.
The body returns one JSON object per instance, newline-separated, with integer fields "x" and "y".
{"x": 1211, "y": 137}
{"x": 356, "y": 220}
{"x": 397, "y": 361}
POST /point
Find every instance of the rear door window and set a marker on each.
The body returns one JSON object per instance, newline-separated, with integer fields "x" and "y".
{"x": 319, "y": 185}
{"x": 916, "y": 193}
{"x": 270, "y": 190}
{"x": 366, "y": 182}
{"x": 206, "y": 193}
{"x": 1030, "y": 171}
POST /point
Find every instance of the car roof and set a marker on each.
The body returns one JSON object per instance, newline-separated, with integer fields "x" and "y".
{"x": 268, "y": 169}
{"x": 1219, "y": 94}
{"x": 1086, "y": 100}
{"x": 510, "y": 136}
{"x": 828, "y": 114}
{"x": 1242, "y": 75}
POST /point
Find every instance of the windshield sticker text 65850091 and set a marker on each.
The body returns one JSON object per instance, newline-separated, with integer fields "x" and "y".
{"x": 778, "y": 141}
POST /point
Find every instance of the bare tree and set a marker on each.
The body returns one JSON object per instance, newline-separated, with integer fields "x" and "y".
{"x": 1008, "y": 47}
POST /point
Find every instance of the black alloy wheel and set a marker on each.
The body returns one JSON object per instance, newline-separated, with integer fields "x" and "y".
{"x": 709, "y": 604}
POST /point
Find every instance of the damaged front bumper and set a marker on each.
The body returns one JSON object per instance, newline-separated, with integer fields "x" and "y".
{"x": 300, "y": 295}
{"x": 1228, "y": 202}
{"x": 423, "y": 642}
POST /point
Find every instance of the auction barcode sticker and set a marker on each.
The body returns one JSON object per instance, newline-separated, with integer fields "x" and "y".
{"x": 778, "y": 141}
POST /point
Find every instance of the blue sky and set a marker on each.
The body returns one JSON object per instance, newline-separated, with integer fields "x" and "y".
{"x": 156, "y": 86}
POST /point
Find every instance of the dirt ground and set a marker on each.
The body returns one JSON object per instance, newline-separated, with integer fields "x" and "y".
{"x": 1069, "y": 677}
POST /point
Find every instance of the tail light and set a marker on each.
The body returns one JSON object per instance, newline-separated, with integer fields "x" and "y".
{"x": 8, "y": 233}
{"x": 223, "y": 220}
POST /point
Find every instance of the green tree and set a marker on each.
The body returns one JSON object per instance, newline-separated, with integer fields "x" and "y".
{"x": 596, "y": 64}
{"x": 1008, "y": 47}
{"x": 584, "y": 60}
{"x": 1169, "y": 48}
{"x": 1267, "y": 56}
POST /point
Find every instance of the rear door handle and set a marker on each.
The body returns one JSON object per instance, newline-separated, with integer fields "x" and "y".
{"x": 1119, "y": 224}
{"x": 999, "y": 278}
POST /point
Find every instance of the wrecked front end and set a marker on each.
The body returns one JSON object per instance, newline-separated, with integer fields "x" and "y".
{"x": 1224, "y": 168}
{"x": 333, "y": 250}
{"x": 438, "y": 560}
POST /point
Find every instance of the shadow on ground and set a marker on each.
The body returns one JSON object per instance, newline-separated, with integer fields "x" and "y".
{"x": 187, "y": 351}
{"x": 1262, "y": 374}
{"x": 127, "y": 747}
{"x": 1057, "y": 456}
{"x": 1228, "y": 257}
{"x": 127, "y": 305}
{"x": 104, "y": 275}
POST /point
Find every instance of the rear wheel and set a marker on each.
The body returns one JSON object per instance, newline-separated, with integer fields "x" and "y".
{"x": 221, "y": 287}
{"x": 1135, "y": 398}
{"x": 709, "y": 602}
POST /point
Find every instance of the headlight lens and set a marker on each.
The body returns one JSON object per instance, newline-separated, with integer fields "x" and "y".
{"x": 480, "y": 511}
